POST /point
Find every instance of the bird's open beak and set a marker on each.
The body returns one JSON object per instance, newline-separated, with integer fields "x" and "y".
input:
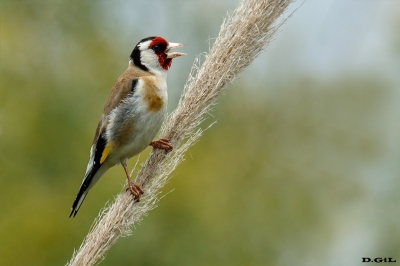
{"x": 172, "y": 45}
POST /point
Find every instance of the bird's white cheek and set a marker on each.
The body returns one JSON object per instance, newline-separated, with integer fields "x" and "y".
{"x": 149, "y": 59}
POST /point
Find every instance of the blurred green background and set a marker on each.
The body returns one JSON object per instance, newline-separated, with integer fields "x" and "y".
{"x": 302, "y": 167}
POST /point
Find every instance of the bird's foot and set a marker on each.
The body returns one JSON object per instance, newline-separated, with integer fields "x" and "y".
{"x": 161, "y": 144}
{"x": 135, "y": 190}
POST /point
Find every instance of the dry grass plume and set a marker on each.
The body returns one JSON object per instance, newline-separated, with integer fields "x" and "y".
{"x": 243, "y": 35}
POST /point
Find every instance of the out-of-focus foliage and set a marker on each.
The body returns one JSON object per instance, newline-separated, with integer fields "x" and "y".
{"x": 301, "y": 169}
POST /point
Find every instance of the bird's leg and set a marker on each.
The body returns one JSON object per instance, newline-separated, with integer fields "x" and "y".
{"x": 161, "y": 144}
{"x": 136, "y": 190}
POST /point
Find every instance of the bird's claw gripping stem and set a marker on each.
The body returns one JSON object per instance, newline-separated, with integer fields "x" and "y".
{"x": 161, "y": 144}
{"x": 135, "y": 190}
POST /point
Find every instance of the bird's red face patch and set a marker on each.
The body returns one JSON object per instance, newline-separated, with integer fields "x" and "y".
{"x": 159, "y": 45}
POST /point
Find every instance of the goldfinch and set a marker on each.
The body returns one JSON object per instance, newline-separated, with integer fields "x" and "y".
{"x": 132, "y": 115}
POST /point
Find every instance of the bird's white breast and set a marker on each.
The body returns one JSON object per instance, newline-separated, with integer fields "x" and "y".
{"x": 136, "y": 121}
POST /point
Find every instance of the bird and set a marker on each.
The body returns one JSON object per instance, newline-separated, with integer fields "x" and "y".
{"x": 132, "y": 116}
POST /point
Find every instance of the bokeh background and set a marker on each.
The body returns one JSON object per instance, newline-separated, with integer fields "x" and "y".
{"x": 302, "y": 167}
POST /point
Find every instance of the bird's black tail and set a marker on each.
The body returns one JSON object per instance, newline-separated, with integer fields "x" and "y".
{"x": 81, "y": 194}
{"x": 92, "y": 174}
{"x": 78, "y": 202}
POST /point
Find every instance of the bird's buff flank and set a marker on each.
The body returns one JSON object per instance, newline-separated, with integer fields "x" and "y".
{"x": 132, "y": 116}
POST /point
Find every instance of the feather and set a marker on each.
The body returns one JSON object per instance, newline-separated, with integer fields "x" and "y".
{"x": 102, "y": 147}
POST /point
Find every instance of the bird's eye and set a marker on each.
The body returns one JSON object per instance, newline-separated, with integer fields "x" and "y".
{"x": 156, "y": 48}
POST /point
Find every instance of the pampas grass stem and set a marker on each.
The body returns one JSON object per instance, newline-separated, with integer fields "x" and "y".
{"x": 243, "y": 35}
